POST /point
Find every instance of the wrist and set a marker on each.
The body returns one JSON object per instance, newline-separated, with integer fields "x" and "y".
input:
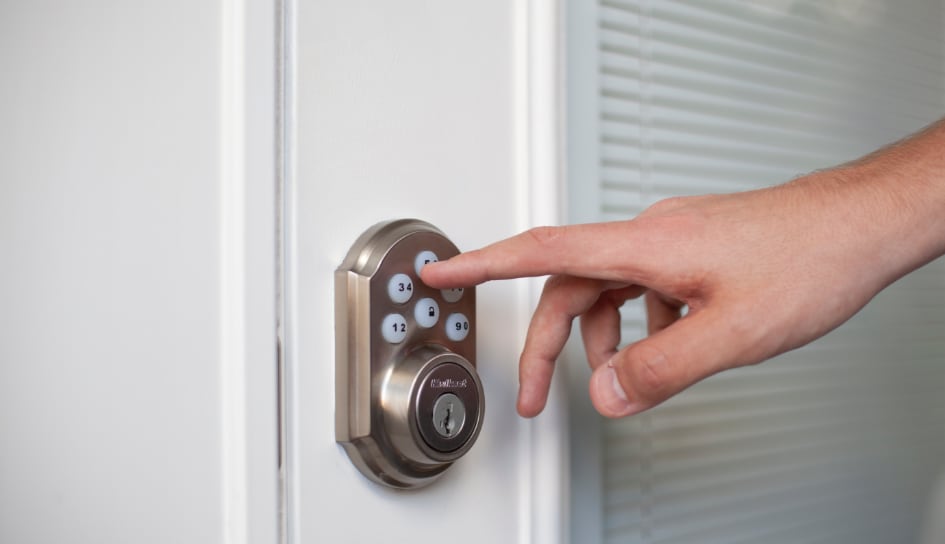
{"x": 898, "y": 194}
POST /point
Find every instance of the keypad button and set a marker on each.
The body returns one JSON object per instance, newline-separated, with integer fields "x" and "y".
{"x": 400, "y": 288}
{"x": 452, "y": 295}
{"x": 424, "y": 258}
{"x": 427, "y": 312}
{"x": 394, "y": 328}
{"x": 457, "y": 327}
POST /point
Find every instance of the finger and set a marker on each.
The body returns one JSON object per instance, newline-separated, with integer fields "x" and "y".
{"x": 600, "y": 325}
{"x": 654, "y": 369}
{"x": 597, "y": 251}
{"x": 661, "y": 311}
{"x": 562, "y": 299}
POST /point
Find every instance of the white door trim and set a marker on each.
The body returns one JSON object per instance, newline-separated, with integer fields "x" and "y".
{"x": 539, "y": 166}
{"x": 249, "y": 465}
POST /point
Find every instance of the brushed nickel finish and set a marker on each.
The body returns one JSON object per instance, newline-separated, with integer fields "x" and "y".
{"x": 385, "y": 392}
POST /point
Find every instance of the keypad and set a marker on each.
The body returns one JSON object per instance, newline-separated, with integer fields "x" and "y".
{"x": 404, "y": 287}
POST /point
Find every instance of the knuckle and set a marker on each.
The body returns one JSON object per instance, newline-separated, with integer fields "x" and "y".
{"x": 564, "y": 284}
{"x": 546, "y": 236}
{"x": 665, "y": 205}
{"x": 554, "y": 291}
{"x": 568, "y": 295}
{"x": 554, "y": 296}
{"x": 555, "y": 283}
{"x": 650, "y": 372}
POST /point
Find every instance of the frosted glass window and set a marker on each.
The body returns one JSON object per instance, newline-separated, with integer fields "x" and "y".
{"x": 841, "y": 441}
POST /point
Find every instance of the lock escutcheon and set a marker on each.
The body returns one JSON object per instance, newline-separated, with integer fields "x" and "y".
{"x": 397, "y": 357}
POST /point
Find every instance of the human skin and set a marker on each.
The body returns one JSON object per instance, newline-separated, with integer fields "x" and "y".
{"x": 760, "y": 272}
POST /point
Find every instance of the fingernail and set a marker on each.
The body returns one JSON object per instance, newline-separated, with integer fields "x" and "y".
{"x": 613, "y": 397}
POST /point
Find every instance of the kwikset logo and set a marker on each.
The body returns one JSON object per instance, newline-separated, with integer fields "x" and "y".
{"x": 448, "y": 383}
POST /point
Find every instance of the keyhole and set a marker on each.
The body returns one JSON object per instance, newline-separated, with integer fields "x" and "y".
{"x": 447, "y": 423}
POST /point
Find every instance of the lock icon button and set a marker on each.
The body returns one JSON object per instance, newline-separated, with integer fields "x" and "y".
{"x": 427, "y": 312}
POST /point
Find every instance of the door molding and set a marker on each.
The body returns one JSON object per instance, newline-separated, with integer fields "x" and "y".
{"x": 539, "y": 166}
{"x": 248, "y": 261}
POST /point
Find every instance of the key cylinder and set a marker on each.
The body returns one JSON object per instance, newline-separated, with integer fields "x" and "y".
{"x": 449, "y": 415}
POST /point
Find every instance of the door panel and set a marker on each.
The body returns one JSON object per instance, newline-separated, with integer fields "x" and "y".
{"x": 404, "y": 110}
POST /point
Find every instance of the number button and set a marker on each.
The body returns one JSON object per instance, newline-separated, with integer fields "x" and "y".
{"x": 457, "y": 327}
{"x": 427, "y": 312}
{"x": 394, "y": 328}
{"x": 452, "y": 295}
{"x": 400, "y": 288}
{"x": 424, "y": 258}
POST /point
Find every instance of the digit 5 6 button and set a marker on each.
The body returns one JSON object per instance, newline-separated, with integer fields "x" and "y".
{"x": 422, "y": 259}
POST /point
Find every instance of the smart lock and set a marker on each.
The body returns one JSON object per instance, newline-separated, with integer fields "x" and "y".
{"x": 408, "y": 400}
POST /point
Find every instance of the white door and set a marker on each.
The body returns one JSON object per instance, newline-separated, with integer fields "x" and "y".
{"x": 418, "y": 109}
{"x": 178, "y": 181}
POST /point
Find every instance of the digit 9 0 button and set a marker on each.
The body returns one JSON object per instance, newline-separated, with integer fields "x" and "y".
{"x": 457, "y": 327}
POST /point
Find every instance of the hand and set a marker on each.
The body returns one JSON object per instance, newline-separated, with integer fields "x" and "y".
{"x": 760, "y": 272}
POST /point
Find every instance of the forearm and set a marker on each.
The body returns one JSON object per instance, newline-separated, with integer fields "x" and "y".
{"x": 894, "y": 202}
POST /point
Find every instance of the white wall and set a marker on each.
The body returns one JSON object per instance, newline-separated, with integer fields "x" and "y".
{"x": 136, "y": 277}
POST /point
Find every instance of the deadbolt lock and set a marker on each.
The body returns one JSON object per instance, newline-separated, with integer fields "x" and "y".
{"x": 408, "y": 400}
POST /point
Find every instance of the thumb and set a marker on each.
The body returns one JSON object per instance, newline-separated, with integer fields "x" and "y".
{"x": 654, "y": 369}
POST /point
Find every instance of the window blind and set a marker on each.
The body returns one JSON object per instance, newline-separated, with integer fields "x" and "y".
{"x": 841, "y": 441}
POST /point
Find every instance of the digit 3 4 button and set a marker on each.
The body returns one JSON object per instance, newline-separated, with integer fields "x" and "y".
{"x": 400, "y": 288}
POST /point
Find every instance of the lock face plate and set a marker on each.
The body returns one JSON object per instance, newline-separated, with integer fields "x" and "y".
{"x": 401, "y": 345}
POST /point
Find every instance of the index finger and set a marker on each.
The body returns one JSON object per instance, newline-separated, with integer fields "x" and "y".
{"x": 597, "y": 250}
